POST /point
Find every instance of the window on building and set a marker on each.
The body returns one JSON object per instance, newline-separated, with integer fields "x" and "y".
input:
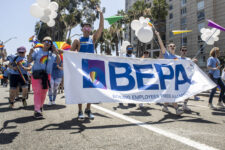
{"x": 201, "y": 25}
{"x": 183, "y": 11}
{"x": 183, "y": 21}
{"x": 184, "y": 41}
{"x": 170, "y": 7}
{"x": 183, "y": 2}
{"x": 201, "y": 15}
{"x": 201, "y": 5}
{"x": 171, "y": 16}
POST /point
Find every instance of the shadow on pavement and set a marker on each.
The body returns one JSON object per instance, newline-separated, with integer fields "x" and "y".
{"x": 143, "y": 111}
{"x": 173, "y": 117}
{"x": 67, "y": 125}
{"x": 1, "y": 104}
{"x": 6, "y": 138}
{"x": 219, "y": 112}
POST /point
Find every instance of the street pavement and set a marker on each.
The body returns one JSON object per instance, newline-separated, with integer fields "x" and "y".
{"x": 114, "y": 127}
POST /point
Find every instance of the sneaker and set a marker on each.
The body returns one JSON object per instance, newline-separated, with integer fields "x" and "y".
{"x": 53, "y": 103}
{"x": 89, "y": 114}
{"x": 141, "y": 105}
{"x": 220, "y": 104}
{"x": 179, "y": 112}
{"x": 38, "y": 115}
{"x": 211, "y": 106}
{"x": 185, "y": 108}
{"x": 80, "y": 115}
{"x": 24, "y": 103}
{"x": 11, "y": 104}
{"x": 165, "y": 109}
{"x": 49, "y": 103}
{"x": 131, "y": 105}
{"x": 120, "y": 104}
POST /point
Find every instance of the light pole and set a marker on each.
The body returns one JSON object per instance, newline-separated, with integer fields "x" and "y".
{"x": 9, "y": 40}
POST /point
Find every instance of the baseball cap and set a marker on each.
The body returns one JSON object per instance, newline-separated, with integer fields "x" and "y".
{"x": 47, "y": 38}
{"x": 21, "y": 49}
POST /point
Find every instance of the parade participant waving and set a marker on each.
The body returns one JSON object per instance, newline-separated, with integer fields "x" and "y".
{"x": 213, "y": 64}
{"x": 168, "y": 55}
{"x": 86, "y": 45}
{"x": 41, "y": 72}
{"x": 19, "y": 66}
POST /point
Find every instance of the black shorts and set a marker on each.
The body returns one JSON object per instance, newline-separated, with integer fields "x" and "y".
{"x": 16, "y": 80}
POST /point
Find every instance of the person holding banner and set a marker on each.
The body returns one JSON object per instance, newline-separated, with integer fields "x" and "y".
{"x": 213, "y": 64}
{"x": 19, "y": 66}
{"x": 41, "y": 72}
{"x": 86, "y": 45}
{"x": 169, "y": 55}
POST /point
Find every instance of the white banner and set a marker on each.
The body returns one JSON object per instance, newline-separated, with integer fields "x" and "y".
{"x": 90, "y": 78}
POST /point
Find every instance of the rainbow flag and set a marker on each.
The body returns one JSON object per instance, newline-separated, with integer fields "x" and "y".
{"x": 62, "y": 45}
{"x": 150, "y": 23}
{"x": 38, "y": 45}
{"x": 31, "y": 39}
{"x": 1, "y": 46}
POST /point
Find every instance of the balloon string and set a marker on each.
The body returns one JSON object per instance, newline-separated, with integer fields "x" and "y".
{"x": 39, "y": 29}
{"x": 202, "y": 48}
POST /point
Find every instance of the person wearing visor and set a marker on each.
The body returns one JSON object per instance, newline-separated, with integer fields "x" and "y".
{"x": 41, "y": 72}
{"x": 19, "y": 66}
{"x": 86, "y": 45}
{"x": 169, "y": 55}
{"x": 130, "y": 51}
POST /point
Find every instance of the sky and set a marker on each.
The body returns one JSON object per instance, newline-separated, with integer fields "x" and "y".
{"x": 17, "y": 22}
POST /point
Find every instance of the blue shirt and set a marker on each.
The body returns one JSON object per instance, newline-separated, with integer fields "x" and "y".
{"x": 86, "y": 45}
{"x": 22, "y": 60}
{"x": 6, "y": 72}
{"x": 168, "y": 55}
{"x": 56, "y": 72}
{"x": 214, "y": 62}
{"x": 43, "y": 60}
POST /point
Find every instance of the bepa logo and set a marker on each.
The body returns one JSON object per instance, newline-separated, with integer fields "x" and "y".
{"x": 95, "y": 75}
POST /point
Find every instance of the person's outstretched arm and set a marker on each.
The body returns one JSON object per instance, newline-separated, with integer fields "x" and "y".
{"x": 98, "y": 33}
{"x": 162, "y": 47}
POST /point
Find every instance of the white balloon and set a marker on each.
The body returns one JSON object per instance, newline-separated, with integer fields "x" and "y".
{"x": 43, "y": 3}
{"x": 210, "y": 41}
{"x": 145, "y": 35}
{"x": 51, "y": 23}
{"x": 144, "y": 24}
{"x": 203, "y": 37}
{"x": 136, "y": 25}
{"x": 36, "y": 10}
{"x": 45, "y": 19}
{"x": 215, "y": 32}
{"x": 47, "y": 12}
{"x": 54, "y": 6}
{"x": 216, "y": 38}
{"x": 203, "y": 30}
{"x": 53, "y": 14}
{"x": 142, "y": 19}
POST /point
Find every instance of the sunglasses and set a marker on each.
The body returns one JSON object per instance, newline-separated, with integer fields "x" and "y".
{"x": 146, "y": 52}
{"x": 21, "y": 52}
{"x": 48, "y": 42}
{"x": 87, "y": 28}
{"x": 183, "y": 50}
{"x": 172, "y": 46}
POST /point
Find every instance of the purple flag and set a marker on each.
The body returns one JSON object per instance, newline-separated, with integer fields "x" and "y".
{"x": 214, "y": 25}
